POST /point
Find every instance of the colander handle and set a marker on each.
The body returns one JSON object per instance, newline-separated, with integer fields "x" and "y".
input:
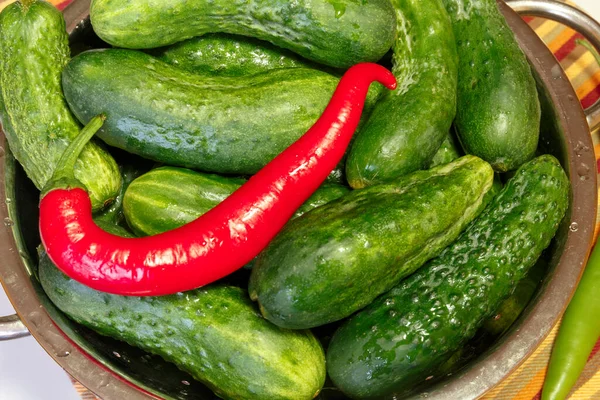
{"x": 572, "y": 17}
{"x": 11, "y": 327}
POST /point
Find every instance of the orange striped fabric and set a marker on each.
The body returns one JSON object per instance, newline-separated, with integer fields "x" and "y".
{"x": 525, "y": 383}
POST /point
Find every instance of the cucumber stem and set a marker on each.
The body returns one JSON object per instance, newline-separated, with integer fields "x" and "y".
{"x": 27, "y": 3}
{"x": 64, "y": 173}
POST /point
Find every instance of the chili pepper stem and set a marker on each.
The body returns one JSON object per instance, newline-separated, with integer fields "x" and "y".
{"x": 64, "y": 173}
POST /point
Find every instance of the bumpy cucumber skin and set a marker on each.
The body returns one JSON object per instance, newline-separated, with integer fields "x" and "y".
{"x": 500, "y": 321}
{"x": 447, "y": 152}
{"x": 230, "y": 125}
{"x": 402, "y": 337}
{"x": 338, "y": 258}
{"x": 34, "y": 48}
{"x": 338, "y": 33}
{"x": 228, "y": 55}
{"x": 408, "y": 125}
{"x": 498, "y": 115}
{"x": 215, "y": 334}
{"x": 512, "y": 307}
{"x": 169, "y": 197}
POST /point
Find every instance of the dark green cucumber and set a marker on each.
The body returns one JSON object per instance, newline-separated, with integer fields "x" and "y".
{"x": 496, "y": 325}
{"x": 338, "y": 258}
{"x": 215, "y": 334}
{"x": 338, "y": 33}
{"x": 447, "y": 152}
{"x": 169, "y": 197}
{"x": 232, "y": 125}
{"x": 228, "y": 55}
{"x": 408, "y": 125}
{"x": 498, "y": 114}
{"x": 402, "y": 337}
{"x": 34, "y": 48}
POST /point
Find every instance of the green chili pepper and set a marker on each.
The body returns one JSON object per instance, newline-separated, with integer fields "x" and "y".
{"x": 580, "y": 327}
{"x": 577, "y": 335}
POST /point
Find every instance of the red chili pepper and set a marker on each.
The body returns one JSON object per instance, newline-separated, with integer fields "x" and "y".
{"x": 220, "y": 241}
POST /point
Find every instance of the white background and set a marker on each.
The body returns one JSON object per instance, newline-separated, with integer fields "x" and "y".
{"x": 591, "y": 6}
{"x": 28, "y": 373}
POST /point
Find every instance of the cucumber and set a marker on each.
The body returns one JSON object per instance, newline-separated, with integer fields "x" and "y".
{"x": 169, "y": 197}
{"x": 131, "y": 167}
{"x": 323, "y": 195}
{"x": 447, "y": 152}
{"x": 215, "y": 334}
{"x": 401, "y": 338}
{"x": 228, "y": 55}
{"x": 492, "y": 193}
{"x": 112, "y": 227}
{"x": 34, "y": 48}
{"x": 338, "y": 33}
{"x": 498, "y": 114}
{"x": 496, "y": 325}
{"x": 338, "y": 258}
{"x": 229, "y": 125}
{"x": 511, "y": 308}
{"x": 408, "y": 125}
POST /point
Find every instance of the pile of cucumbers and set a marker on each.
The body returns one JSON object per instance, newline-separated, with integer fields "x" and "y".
{"x": 414, "y": 244}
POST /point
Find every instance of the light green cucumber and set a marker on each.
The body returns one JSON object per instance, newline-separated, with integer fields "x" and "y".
{"x": 34, "y": 49}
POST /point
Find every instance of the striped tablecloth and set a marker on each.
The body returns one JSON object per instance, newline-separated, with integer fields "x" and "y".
{"x": 526, "y": 382}
{"x": 583, "y": 71}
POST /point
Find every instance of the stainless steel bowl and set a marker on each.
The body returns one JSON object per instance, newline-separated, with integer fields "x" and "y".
{"x": 114, "y": 370}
